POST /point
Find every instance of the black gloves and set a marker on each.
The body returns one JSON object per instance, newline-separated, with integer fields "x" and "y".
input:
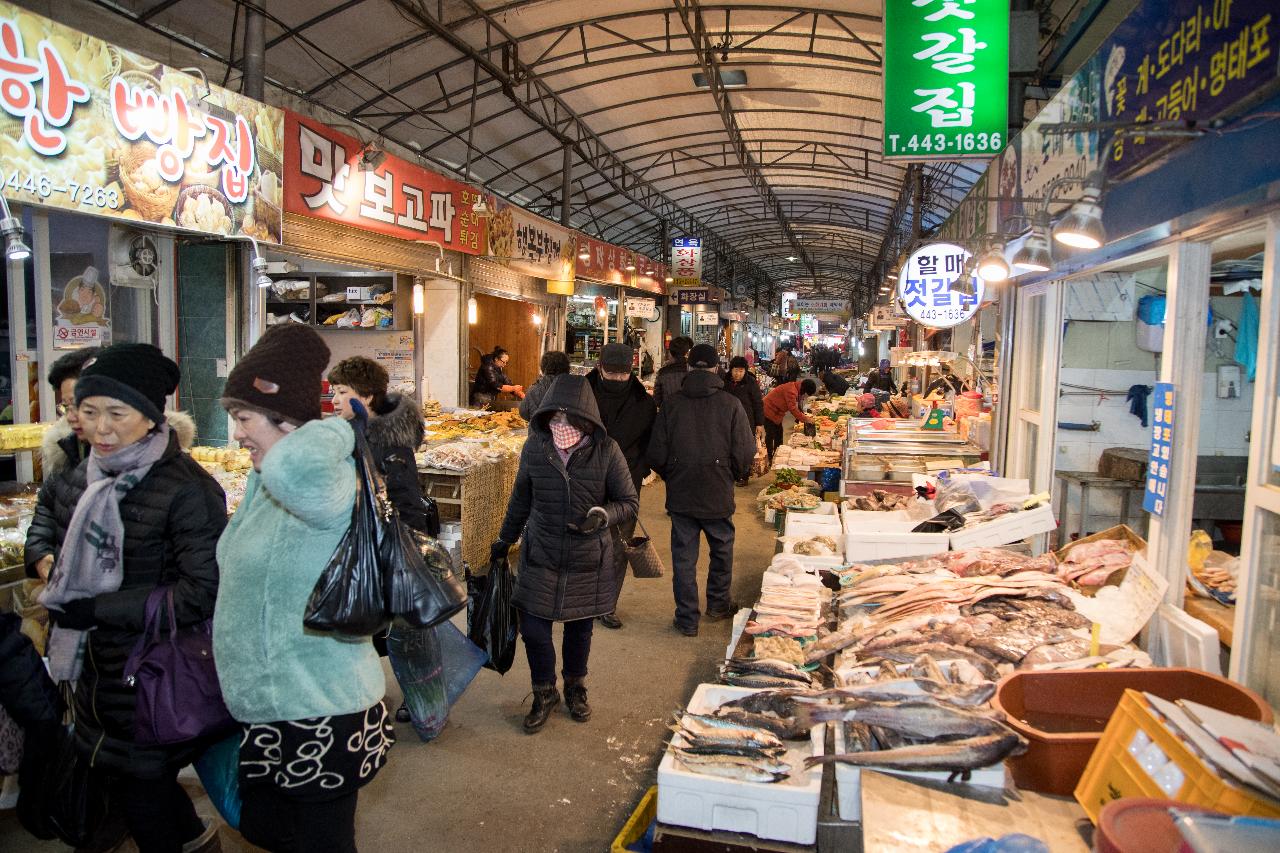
{"x": 76, "y": 615}
{"x": 596, "y": 519}
{"x": 498, "y": 551}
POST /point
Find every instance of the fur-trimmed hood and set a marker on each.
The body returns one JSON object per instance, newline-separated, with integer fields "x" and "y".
{"x": 398, "y": 423}
{"x": 58, "y": 451}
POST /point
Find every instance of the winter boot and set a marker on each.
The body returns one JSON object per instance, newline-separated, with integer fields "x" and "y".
{"x": 545, "y": 700}
{"x": 575, "y": 696}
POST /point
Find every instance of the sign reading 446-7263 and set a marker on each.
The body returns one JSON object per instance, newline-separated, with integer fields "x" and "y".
{"x": 946, "y": 78}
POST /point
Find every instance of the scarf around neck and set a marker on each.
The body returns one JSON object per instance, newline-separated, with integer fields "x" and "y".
{"x": 92, "y": 552}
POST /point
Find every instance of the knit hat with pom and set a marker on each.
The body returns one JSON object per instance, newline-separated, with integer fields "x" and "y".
{"x": 280, "y": 376}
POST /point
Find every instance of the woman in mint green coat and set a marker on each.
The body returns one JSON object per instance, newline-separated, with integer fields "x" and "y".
{"x": 315, "y": 728}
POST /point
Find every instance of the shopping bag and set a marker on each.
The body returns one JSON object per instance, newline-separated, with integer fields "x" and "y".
{"x": 491, "y": 622}
{"x": 642, "y": 556}
{"x": 60, "y": 797}
{"x": 219, "y": 772}
{"x": 174, "y": 678}
{"x": 423, "y": 589}
{"x": 350, "y": 596}
{"x": 434, "y": 666}
{"x": 760, "y": 465}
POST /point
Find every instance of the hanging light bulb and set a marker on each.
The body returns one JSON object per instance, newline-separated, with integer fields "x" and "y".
{"x": 1034, "y": 255}
{"x": 992, "y": 265}
{"x": 473, "y": 311}
{"x": 12, "y": 230}
{"x": 1082, "y": 227}
{"x": 584, "y": 253}
{"x": 419, "y": 299}
{"x": 535, "y": 318}
{"x": 669, "y": 278}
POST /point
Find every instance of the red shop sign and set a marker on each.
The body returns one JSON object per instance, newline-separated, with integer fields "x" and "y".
{"x": 400, "y": 199}
{"x": 608, "y": 263}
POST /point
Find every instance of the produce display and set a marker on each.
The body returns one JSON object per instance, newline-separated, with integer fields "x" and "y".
{"x": 797, "y": 499}
{"x": 456, "y": 425}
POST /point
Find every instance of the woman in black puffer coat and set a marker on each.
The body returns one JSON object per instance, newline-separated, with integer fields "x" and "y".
{"x": 172, "y": 518}
{"x": 572, "y": 486}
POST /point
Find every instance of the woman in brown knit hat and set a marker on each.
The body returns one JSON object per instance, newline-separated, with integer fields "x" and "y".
{"x": 315, "y": 726}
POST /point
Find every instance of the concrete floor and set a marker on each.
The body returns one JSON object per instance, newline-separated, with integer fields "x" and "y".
{"x": 484, "y": 785}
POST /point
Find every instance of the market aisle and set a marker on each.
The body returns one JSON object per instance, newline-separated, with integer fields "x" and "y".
{"x": 484, "y": 785}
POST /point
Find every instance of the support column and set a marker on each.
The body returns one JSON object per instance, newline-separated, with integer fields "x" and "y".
{"x": 566, "y": 185}
{"x": 255, "y": 54}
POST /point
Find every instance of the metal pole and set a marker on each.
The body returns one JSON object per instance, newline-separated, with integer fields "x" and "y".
{"x": 255, "y": 53}
{"x": 917, "y": 206}
{"x": 566, "y": 185}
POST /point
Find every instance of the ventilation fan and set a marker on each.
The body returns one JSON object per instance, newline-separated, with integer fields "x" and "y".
{"x": 135, "y": 260}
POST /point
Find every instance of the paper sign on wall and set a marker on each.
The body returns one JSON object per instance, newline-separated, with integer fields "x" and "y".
{"x": 708, "y": 318}
{"x": 639, "y": 306}
{"x": 1162, "y": 402}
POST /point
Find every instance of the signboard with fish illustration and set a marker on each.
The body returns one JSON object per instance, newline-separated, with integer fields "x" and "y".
{"x": 91, "y": 127}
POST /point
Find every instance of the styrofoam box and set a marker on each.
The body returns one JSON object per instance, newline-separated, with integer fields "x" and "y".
{"x": 779, "y": 811}
{"x": 1013, "y": 527}
{"x": 857, "y": 521}
{"x": 861, "y": 547}
{"x": 849, "y": 779}
{"x": 810, "y": 524}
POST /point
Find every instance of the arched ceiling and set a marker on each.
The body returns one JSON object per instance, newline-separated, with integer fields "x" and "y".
{"x": 783, "y": 176}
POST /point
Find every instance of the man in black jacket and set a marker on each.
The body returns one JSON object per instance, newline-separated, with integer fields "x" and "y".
{"x": 672, "y": 375}
{"x": 627, "y": 411}
{"x": 701, "y": 444}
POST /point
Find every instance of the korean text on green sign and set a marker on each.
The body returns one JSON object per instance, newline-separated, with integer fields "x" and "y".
{"x": 946, "y": 78}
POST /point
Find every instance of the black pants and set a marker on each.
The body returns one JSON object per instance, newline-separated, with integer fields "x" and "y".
{"x": 277, "y": 822}
{"x": 772, "y": 437}
{"x": 624, "y": 532}
{"x": 158, "y": 812}
{"x": 541, "y": 650}
{"x": 685, "y": 531}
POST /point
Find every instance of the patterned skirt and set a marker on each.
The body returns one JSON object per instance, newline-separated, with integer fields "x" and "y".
{"x": 317, "y": 759}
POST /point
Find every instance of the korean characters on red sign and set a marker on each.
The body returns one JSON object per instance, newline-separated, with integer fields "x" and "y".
{"x": 45, "y": 114}
{"x": 383, "y": 195}
{"x": 171, "y": 122}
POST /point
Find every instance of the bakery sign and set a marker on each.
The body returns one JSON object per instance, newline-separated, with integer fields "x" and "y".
{"x": 94, "y": 128}
{"x": 324, "y": 179}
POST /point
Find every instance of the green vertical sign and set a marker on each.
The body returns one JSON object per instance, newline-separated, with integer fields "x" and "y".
{"x": 946, "y": 78}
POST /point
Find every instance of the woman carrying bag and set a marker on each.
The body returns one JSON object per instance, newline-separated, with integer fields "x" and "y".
{"x": 572, "y": 486}
{"x": 136, "y": 515}
{"x": 309, "y": 702}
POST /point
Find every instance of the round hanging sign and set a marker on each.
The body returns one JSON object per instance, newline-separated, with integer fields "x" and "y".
{"x": 924, "y": 286}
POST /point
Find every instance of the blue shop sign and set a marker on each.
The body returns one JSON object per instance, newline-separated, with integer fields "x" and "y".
{"x": 1161, "y": 446}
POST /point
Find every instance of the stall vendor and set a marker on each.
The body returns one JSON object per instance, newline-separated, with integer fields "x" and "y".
{"x": 945, "y": 383}
{"x": 491, "y": 379}
{"x": 881, "y": 380}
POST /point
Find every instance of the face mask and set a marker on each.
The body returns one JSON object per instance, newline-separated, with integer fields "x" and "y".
{"x": 563, "y": 433}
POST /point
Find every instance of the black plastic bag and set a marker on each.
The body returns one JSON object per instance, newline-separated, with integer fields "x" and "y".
{"x": 59, "y": 797}
{"x": 491, "y": 618}
{"x": 422, "y": 587}
{"x": 943, "y": 522}
{"x": 350, "y": 595}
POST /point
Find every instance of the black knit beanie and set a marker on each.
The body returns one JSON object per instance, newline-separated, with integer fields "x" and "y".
{"x": 280, "y": 376}
{"x": 137, "y": 374}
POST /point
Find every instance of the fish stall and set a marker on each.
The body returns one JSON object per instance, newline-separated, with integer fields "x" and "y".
{"x": 889, "y": 677}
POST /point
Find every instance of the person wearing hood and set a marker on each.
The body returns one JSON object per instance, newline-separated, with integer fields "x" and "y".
{"x": 137, "y": 514}
{"x": 671, "y": 375}
{"x": 702, "y": 443}
{"x": 627, "y": 412}
{"x": 572, "y": 486}
{"x": 314, "y": 728}
{"x": 741, "y": 383}
{"x": 554, "y": 363}
{"x": 63, "y": 447}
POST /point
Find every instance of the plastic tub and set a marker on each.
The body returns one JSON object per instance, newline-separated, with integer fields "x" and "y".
{"x": 1141, "y": 823}
{"x": 1079, "y": 703}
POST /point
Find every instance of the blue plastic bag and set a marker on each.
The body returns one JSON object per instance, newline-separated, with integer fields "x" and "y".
{"x": 219, "y": 772}
{"x": 434, "y": 666}
{"x": 1015, "y": 843}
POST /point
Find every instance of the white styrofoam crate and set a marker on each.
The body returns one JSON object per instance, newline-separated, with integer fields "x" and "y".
{"x": 779, "y": 811}
{"x": 808, "y": 524}
{"x": 1013, "y": 527}
{"x": 849, "y": 779}
{"x": 861, "y": 547}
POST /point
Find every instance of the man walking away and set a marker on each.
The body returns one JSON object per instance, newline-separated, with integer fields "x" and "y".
{"x": 671, "y": 376}
{"x": 784, "y": 398}
{"x": 627, "y": 411}
{"x": 701, "y": 444}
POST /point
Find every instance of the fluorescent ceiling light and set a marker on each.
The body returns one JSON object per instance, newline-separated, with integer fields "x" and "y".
{"x": 729, "y": 79}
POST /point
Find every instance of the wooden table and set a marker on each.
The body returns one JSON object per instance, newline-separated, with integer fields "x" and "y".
{"x": 1218, "y": 616}
{"x": 901, "y": 814}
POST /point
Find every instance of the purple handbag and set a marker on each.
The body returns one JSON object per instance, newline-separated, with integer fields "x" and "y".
{"x": 178, "y": 696}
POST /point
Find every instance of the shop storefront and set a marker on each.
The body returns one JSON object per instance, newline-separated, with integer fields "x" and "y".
{"x": 127, "y": 211}
{"x": 373, "y": 258}
{"x": 1142, "y": 373}
{"x": 620, "y": 297}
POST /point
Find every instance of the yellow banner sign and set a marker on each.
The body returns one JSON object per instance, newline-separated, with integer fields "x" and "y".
{"x": 91, "y": 127}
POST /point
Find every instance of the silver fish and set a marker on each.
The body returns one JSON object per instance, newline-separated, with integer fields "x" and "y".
{"x": 954, "y": 755}
{"x": 779, "y": 703}
{"x": 768, "y": 666}
{"x": 918, "y": 720}
{"x": 785, "y": 728}
{"x": 733, "y": 767}
{"x": 756, "y": 680}
{"x": 905, "y": 689}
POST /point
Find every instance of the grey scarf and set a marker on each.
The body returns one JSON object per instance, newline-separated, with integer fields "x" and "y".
{"x": 92, "y": 552}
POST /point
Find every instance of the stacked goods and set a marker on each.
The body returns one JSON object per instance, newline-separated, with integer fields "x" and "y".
{"x": 792, "y": 602}
{"x": 456, "y": 425}
{"x": 463, "y": 455}
{"x": 788, "y": 456}
{"x": 1093, "y": 563}
{"x": 215, "y": 459}
{"x": 881, "y": 501}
